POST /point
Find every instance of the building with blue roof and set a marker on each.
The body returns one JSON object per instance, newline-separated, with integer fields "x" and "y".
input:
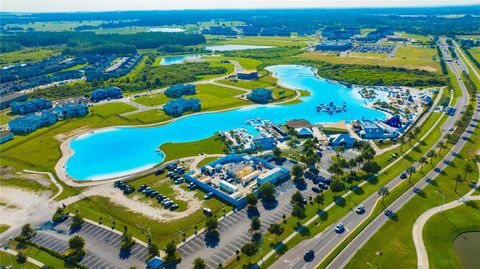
{"x": 5, "y": 136}
{"x": 260, "y": 95}
{"x": 248, "y": 75}
{"x": 304, "y": 132}
{"x": 341, "y": 140}
{"x": 71, "y": 111}
{"x": 333, "y": 46}
{"x": 106, "y": 93}
{"x": 32, "y": 106}
{"x": 179, "y": 90}
{"x": 31, "y": 123}
{"x": 394, "y": 122}
{"x": 178, "y": 106}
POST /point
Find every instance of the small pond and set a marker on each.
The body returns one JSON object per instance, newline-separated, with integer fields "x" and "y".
{"x": 467, "y": 248}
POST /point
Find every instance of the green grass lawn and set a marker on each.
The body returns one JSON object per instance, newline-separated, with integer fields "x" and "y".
{"x": 442, "y": 229}
{"x": 264, "y": 40}
{"x": 150, "y": 116}
{"x": 26, "y": 55}
{"x": 152, "y": 99}
{"x": 213, "y": 97}
{"x": 5, "y": 116}
{"x": 205, "y": 161}
{"x": 4, "y": 227}
{"x": 475, "y": 53}
{"x": 418, "y": 38}
{"x": 10, "y": 260}
{"x": 246, "y": 63}
{"x": 217, "y": 63}
{"x": 406, "y": 57}
{"x": 211, "y": 145}
{"x": 39, "y": 255}
{"x": 111, "y": 109}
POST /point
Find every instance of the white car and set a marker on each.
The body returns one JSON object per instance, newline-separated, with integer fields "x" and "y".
{"x": 339, "y": 228}
{"x": 360, "y": 209}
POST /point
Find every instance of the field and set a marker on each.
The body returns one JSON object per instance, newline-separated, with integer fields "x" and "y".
{"x": 418, "y": 38}
{"x": 7, "y": 260}
{"x": 476, "y": 53}
{"x": 26, "y": 55}
{"x": 442, "y": 229}
{"x": 406, "y": 57}
{"x": 260, "y": 40}
{"x": 211, "y": 145}
{"x": 111, "y": 109}
{"x": 5, "y": 117}
{"x": 56, "y": 26}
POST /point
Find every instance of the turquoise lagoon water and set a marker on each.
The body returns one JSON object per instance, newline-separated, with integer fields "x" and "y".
{"x": 178, "y": 59}
{"x": 236, "y": 47}
{"x": 124, "y": 150}
{"x": 166, "y": 29}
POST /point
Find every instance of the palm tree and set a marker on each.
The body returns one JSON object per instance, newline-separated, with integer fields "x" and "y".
{"x": 410, "y": 137}
{"x": 401, "y": 141}
{"x": 448, "y": 137}
{"x": 423, "y": 161}
{"x": 384, "y": 192}
{"x": 468, "y": 169}
{"x": 430, "y": 155}
{"x": 458, "y": 179}
{"x": 441, "y": 145}
{"x": 410, "y": 171}
{"x": 359, "y": 160}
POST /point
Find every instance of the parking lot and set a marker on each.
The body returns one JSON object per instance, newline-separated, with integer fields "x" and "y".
{"x": 234, "y": 229}
{"x": 103, "y": 245}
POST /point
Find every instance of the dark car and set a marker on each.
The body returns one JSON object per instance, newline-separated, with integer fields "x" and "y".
{"x": 315, "y": 189}
{"x": 403, "y": 176}
{"x": 309, "y": 255}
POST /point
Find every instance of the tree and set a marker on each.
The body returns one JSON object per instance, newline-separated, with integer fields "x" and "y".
{"x": 76, "y": 243}
{"x": 27, "y": 232}
{"x": 458, "y": 179}
{"x": 298, "y": 212}
{"x": 441, "y": 145}
{"x": 249, "y": 249}
{"x": 297, "y": 171}
{"x": 430, "y": 155}
{"x": 383, "y": 192}
{"x": 170, "y": 250}
{"x": 77, "y": 221}
{"x": 319, "y": 199}
{"x": 423, "y": 161}
{"x": 401, "y": 141}
{"x": 339, "y": 151}
{"x": 276, "y": 229}
{"x": 152, "y": 250}
{"x": 267, "y": 191}
{"x": 359, "y": 160}
{"x": 297, "y": 199}
{"x": 252, "y": 200}
{"x": 335, "y": 169}
{"x": 352, "y": 163}
{"x": 59, "y": 213}
{"x": 277, "y": 152}
{"x": 468, "y": 169}
{"x": 337, "y": 185}
{"x": 211, "y": 225}
{"x": 255, "y": 225}
{"x": 199, "y": 263}
{"x": 410, "y": 171}
{"x": 21, "y": 258}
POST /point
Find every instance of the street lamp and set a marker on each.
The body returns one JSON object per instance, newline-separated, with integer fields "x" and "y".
{"x": 443, "y": 199}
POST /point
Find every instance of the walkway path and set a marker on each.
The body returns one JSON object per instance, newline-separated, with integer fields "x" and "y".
{"x": 52, "y": 178}
{"x": 391, "y": 54}
{"x": 417, "y": 231}
{"x": 30, "y": 260}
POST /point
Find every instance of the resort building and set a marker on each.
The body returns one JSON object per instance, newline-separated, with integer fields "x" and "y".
{"x": 106, "y": 93}
{"x": 234, "y": 176}
{"x": 32, "y": 106}
{"x": 6, "y": 100}
{"x": 248, "y": 75}
{"x": 31, "y": 123}
{"x": 71, "y": 110}
{"x": 333, "y": 46}
{"x": 260, "y": 95}
{"x": 179, "y": 90}
{"x": 336, "y": 33}
{"x": 341, "y": 140}
{"x": 5, "y": 136}
{"x": 180, "y": 105}
{"x": 256, "y": 135}
{"x": 373, "y": 130}
{"x": 304, "y": 132}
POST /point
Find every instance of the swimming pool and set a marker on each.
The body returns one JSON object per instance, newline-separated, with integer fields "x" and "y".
{"x": 178, "y": 59}
{"x": 125, "y": 150}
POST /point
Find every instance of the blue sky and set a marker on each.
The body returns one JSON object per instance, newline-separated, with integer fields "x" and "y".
{"x": 106, "y": 5}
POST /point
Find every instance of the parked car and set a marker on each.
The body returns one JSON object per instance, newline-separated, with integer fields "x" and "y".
{"x": 403, "y": 176}
{"x": 207, "y": 211}
{"x": 208, "y": 195}
{"x": 173, "y": 207}
{"x": 179, "y": 181}
{"x": 315, "y": 189}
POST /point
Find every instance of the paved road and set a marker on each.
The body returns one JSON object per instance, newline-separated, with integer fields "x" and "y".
{"x": 329, "y": 239}
{"x": 380, "y": 220}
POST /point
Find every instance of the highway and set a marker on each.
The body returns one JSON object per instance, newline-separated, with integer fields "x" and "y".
{"x": 380, "y": 220}
{"x": 324, "y": 243}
